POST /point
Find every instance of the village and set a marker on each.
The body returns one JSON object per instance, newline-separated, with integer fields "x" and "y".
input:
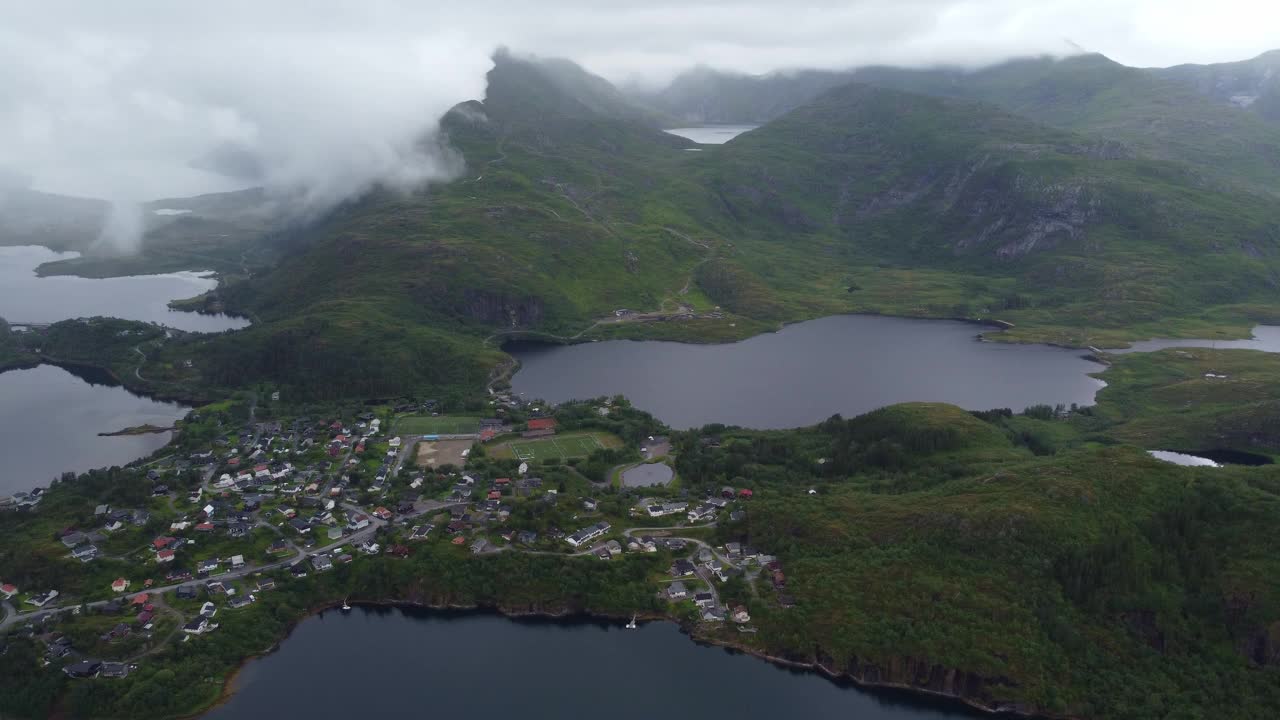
{"x": 275, "y": 501}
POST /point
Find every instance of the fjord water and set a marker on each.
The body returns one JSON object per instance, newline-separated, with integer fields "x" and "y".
{"x": 803, "y": 374}
{"x": 390, "y": 663}
{"x": 50, "y": 420}
{"x": 27, "y": 297}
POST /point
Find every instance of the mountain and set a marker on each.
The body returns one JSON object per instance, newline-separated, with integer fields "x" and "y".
{"x": 1044, "y": 226}
{"x": 558, "y": 219}
{"x": 864, "y": 200}
{"x": 1248, "y": 84}
{"x": 1153, "y": 113}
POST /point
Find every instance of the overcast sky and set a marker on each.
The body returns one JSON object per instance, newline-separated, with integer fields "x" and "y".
{"x": 115, "y": 99}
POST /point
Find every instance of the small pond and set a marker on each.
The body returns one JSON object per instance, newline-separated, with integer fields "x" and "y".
{"x": 647, "y": 475}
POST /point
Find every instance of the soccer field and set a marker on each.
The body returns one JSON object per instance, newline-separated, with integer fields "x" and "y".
{"x": 559, "y": 447}
{"x": 441, "y": 425}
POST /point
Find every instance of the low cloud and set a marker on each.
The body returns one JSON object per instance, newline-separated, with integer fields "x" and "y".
{"x": 130, "y": 109}
{"x": 319, "y": 100}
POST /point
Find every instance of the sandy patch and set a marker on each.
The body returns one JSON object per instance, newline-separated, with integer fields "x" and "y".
{"x": 442, "y": 452}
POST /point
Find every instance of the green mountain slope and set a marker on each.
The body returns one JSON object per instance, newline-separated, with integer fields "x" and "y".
{"x": 561, "y": 217}
{"x": 1038, "y": 565}
{"x": 1050, "y": 227}
{"x": 866, "y": 199}
{"x": 1252, "y": 84}
{"x": 1150, "y": 111}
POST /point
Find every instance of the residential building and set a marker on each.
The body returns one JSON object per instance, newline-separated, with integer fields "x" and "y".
{"x": 43, "y": 598}
{"x": 588, "y": 534}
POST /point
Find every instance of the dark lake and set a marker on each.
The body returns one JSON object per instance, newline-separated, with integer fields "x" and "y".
{"x": 386, "y": 663}
{"x": 847, "y": 364}
{"x": 27, "y": 297}
{"x": 50, "y": 420}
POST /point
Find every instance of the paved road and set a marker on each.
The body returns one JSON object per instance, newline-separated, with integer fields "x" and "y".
{"x": 12, "y": 617}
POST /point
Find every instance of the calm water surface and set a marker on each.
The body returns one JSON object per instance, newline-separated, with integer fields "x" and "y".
{"x": 27, "y": 297}
{"x": 712, "y": 134}
{"x": 50, "y": 420}
{"x": 393, "y": 664}
{"x": 647, "y": 475}
{"x": 846, "y": 364}
{"x": 1265, "y": 338}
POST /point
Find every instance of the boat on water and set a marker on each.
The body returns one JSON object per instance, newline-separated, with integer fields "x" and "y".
{"x": 346, "y": 606}
{"x": 632, "y": 625}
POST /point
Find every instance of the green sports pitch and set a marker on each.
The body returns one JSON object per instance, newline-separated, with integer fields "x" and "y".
{"x": 559, "y": 447}
{"x": 438, "y": 425}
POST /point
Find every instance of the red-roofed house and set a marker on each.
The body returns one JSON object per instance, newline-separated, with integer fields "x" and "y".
{"x": 8, "y": 590}
{"x": 140, "y": 599}
{"x": 542, "y": 424}
{"x": 494, "y": 495}
{"x": 502, "y": 481}
{"x": 120, "y": 585}
{"x": 161, "y": 543}
{"x": 382, "y": 513}
{"x": 144, "y": 617}
{"x": 164, "y": 556}
{"x": 745, "y": 493}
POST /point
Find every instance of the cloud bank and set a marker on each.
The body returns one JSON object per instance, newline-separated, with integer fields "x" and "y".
{"x": 321, "y": 99}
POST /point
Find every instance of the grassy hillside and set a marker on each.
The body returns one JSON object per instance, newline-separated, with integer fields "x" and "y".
{"x": 866, "y": 200}
{"x": 946, "y": 552}
{"x": 1195, "y": 398}
{"x": 942, "y": 206}
{"x": 1173, "y": 114}
{"x": 1251, "y": 85}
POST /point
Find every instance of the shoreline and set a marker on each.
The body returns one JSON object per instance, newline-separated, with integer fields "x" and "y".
{"x": 913, "y": 692}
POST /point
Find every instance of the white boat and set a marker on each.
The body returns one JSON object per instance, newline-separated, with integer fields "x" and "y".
{"x": 346, "y": 606}
{"x": 632, "y": 625}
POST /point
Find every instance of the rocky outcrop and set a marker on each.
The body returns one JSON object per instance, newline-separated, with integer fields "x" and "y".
{"x": 1262, "y": 646}
{"x": 501, "y": 310}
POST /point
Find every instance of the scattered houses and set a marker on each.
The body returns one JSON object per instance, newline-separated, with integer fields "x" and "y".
{"x": 587, "y": 534}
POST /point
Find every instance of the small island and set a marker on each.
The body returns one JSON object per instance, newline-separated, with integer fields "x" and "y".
{"x": 145, "y": 429}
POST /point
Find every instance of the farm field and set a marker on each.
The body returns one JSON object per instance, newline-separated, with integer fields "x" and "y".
{"x": 439, "y": 425}
{"x": 562, "y": 447}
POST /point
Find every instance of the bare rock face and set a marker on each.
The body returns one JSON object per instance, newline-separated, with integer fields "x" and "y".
{"x": 988, "y": 692}
{"x": 501, "y": 310}
{"x": 1263, "y": 646}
